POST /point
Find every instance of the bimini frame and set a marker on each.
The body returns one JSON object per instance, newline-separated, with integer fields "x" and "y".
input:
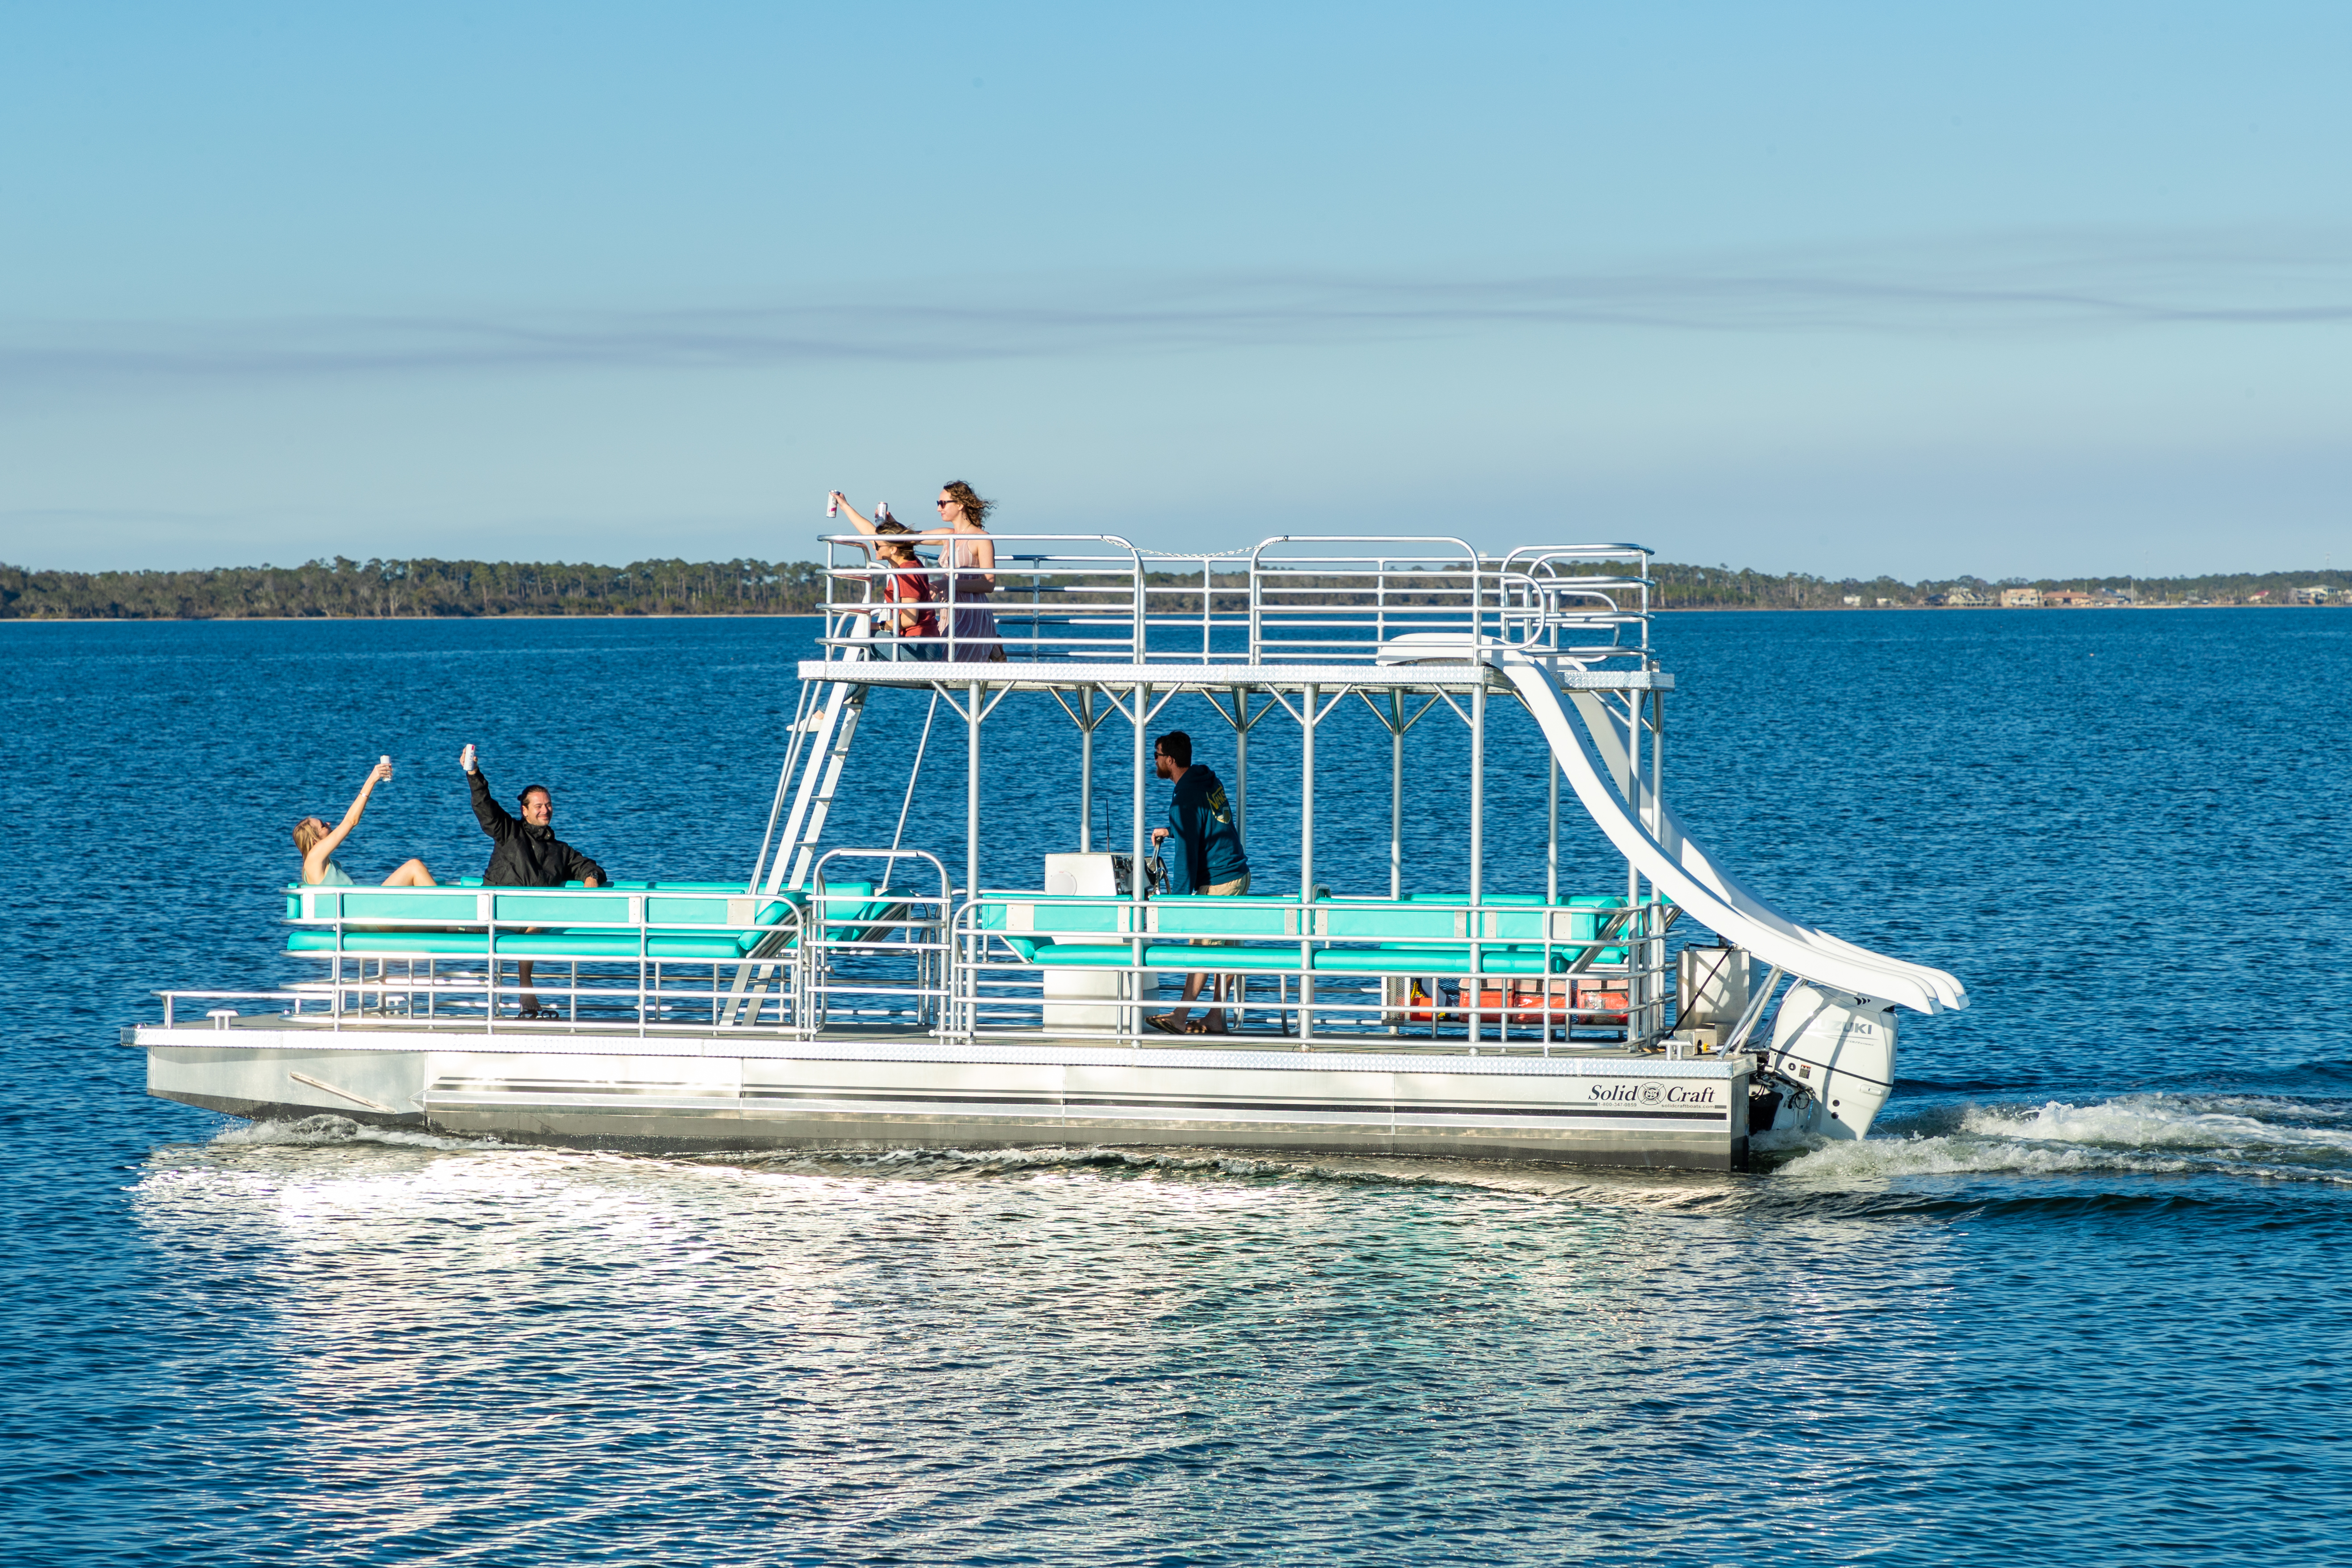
{"x": 1296, "y": 623}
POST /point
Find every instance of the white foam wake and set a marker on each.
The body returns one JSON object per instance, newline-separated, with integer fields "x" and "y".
{"x": 2150, "y": 1134}
{"x": 2146, "y": 1121}
{"x": 330, "y": 1130}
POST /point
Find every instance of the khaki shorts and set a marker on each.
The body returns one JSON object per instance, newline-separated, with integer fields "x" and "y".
{"x": 1232, "y": 889}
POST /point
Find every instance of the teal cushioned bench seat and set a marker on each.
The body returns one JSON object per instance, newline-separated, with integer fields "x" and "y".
{"x": 1159, "y": 955}
{"x": 1386, "y": 923}
{"x": 604, "y": 945}
{"x": 571, "y": 944}
{"x": 399, "y": 944}
{"x": 701, "y": 945}
{"x": 380, "y": 904}
{"x": 584, "y": 923}
{"x": 1427, "y": 960}
{"x": 1419, "y": 935}
{"x": 1517, "y": 900}
{"x": 1046, "y": 953}
{"x": 1193, "y": 915}
{"x": 1048, "y": 915}
{"x": 1222, "y": 960}
{"x": 1450, "y": 959}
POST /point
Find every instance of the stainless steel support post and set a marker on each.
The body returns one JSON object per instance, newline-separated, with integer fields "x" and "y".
{"x": 978, "y": 696}
{"x": 1634, "y": 950}
{"x": 1632, "y": 781}
{"x": 1657, "y": 763}
{"x": 1477, "y": 788}
{"x": 1657, "y": 954}
{"x": 1143, "y": 768}
{"x": 1241, "y": 763}
{"x": 1396, "y": 795}
{"x": 1307, "y": 858}
{"x": 1552, "y": 834}
{"x": 1476, "y": 979}
{"x": 1139, "y": 979}
{"x": 1306, "y": 797}
{"x": 1086, "y": 770}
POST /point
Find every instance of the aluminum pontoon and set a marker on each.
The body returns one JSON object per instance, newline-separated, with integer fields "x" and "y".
{"x": 860, "y": 997}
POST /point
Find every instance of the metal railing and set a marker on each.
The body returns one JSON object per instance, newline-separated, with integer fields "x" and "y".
{"x": 587, "y": 967}
{"x": 1086, "y": 601}
{"x": 1317, "y": 991}
{"x": 901, "y": 961}
{"x": 886, "y": 953}
{"x": 1292, "y": 599}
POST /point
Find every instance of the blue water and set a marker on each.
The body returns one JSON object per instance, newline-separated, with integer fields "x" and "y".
{"x": 2081, "y": 1297}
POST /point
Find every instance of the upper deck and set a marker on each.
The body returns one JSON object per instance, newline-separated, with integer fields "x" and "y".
{"x": 1081, "y": 609}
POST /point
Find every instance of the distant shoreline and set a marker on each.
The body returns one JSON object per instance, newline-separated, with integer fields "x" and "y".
{"x": 341, "y": 589}
{"x": 387, "y": 620}
{"x": 813, "y": 615}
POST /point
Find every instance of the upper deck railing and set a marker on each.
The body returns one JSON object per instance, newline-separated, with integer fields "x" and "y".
{"x": 1318, "y": 599}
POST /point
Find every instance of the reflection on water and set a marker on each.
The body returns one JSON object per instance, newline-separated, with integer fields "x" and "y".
{"x": 1116, "y": 1357}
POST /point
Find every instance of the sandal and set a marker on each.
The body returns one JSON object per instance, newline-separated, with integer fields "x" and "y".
{"x": 1165, "y": 1024}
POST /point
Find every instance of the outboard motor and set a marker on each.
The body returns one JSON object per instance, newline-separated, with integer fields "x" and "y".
{"x": 1836, "y": 1051}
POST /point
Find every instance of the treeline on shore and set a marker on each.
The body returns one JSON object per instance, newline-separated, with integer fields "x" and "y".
{"x": 1726, "y": 588}
{"x": 344, "y": 587}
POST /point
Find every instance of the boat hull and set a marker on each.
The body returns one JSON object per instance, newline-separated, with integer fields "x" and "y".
{"x": 718, "y": 1094}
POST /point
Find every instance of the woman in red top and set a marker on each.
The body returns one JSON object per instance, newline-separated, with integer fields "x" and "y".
{"x": 906, "y": 586}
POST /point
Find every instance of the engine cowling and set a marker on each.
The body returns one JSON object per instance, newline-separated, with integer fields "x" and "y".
{"x": 1838, "y": 1049}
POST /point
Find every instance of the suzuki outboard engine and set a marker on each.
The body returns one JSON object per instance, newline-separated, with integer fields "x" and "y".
{"x": 1834, "y": 1054}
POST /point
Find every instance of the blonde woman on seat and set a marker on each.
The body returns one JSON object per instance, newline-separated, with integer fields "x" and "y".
{"x": 318, "y": 842}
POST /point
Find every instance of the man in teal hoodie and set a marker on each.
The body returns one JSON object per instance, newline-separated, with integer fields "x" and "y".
{"x": 1204, "y": 847}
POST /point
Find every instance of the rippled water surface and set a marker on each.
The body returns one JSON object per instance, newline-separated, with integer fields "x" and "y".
{"x": 2081, "y": 1297}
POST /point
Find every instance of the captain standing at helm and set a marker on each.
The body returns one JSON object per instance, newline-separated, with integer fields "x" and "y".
{"x": 1204, "y": 856}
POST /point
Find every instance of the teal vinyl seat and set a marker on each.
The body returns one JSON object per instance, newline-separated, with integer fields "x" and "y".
{"x": 1193, "y": 915}
{"x": 683, "y": 920}
{"x": 397, "y": 944}
{"x": 1428, "y": 933}
{"x": 1050, "y": 915}
{"x": 1046, "y": 954}
{"x": 1387, "y": 922}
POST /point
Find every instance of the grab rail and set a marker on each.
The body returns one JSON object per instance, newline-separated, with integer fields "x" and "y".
{"x": 1313, "y": 598}
{"x": 1331, "y": 986}
{"x": 640, "y": 974}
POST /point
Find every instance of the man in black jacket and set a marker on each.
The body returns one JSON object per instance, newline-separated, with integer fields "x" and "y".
{"x": 526, "y": 853}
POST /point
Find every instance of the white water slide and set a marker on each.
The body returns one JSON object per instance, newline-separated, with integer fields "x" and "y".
{"x": 1683, "y": 872}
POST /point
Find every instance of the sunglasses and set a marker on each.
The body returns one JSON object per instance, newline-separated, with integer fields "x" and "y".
{"x": 943, "y": 505}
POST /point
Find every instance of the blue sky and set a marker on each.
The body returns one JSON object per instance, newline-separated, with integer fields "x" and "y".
{"x": 1997, "y": 288}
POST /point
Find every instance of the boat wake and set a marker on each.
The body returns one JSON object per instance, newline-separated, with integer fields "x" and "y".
{"x": 1175, "y": 1163}
{"x": 2264, "y": 1137}
{"x": 2259, "y": 1137}
{"x": 316, "y": 1131}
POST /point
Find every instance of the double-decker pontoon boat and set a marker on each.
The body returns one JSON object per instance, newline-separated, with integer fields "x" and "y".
{"x": 860, "y": 997}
